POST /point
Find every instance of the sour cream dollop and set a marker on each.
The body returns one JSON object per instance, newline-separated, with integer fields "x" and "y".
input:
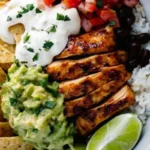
{"x": 46, "y": 30}
{"x": 146, "y": 5}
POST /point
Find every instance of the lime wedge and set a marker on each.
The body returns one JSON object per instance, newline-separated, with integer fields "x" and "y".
{"x": 121, "y": 133}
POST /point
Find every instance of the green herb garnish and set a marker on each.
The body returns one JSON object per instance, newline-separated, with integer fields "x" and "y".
{"x": 52, "y": 29}
{"x": 7, "y": 77}
{"x": 37, "y": 111}
{"x": 9, "y": 18}
{"x": 112, "y": 23}
{"x": 25, "y": 10}
{"x": 35, "y": 57}
{"x": 30, "y": 50}
{"x": 67, "y": 18}
{"x": 62, "y": 17}
{"x": 44, "y": 83}
{"x": 35, "y": 130}
{"x": 16, "y": 61}
{"x": 38, "y": 11}
{"x": 26, "y": 38}
{"x": 99, "y": 3}
{"x": 13, "y": 101}
{"x": 25, "y": 82}
{"x": 48, "y": 45}
{"x": 50, "y": 104}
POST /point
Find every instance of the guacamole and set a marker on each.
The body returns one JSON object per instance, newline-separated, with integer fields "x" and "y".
{"x": 34, "y": 108}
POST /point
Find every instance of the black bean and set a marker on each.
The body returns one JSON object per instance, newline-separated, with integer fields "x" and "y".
{"x": 130, "y": 20}
{"x": 132, "y": 64}
{"x": 135, "y": 50}
{"x": 143, "y": 38}
{"x": 145, "y": 57}
{"x": 125, "y": 12}
{"x": 121, "y": 32}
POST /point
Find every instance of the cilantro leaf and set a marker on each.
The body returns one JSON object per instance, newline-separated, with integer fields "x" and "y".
{"x": 67, "y": 18}
{"x": 38, "y": 11}
{"x": 9, "y": 18}
{"x": 112, "y": 23}
{"x": 61, "y": 17}
{"x": 28, "y": 8}
{"x": 53, "y": 28}
{"x": 13, "y": 101}
{"x": 26, "y": 38}
{"x": 35, "y": 57}
{"x": 50, "y": 104}
{"x": 48, "y": 45}
{"x": 30, "y": 50}
{"x": 99, "y": 3}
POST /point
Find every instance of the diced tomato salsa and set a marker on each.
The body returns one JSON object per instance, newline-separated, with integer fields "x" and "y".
{"x": 95, "y": 12}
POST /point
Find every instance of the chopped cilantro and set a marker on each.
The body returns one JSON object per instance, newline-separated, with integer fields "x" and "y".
{"x": 67, "y": 18}
{"x": 37, "y": 111}
{"x": 35, "y": 57}
{"x": 7, "y": 77}
{"x": 30, "y": 7}
{"x": 9, "y": 18}
{"x": 112, "y": 23}
{"x": 16, "y": 61}
{"x": 62, "y": 17}
{"x": 13, "y": 101}
{"x": 19, "y": 15}
{"x": 35, "y": 130}
{"x": 52, "y": 29}
{"x": 26, "y": 38}
{"x": 38, "y": 11}
{"x": 50, "y": 104}
{"x": 25, "y": 10}
{"x": 25, "y": 82}
{"x": 47, "y": 45}
{"x": 44, "y": 83}
{"x": 99, "y": 3}
{"x": 30, "y": 50}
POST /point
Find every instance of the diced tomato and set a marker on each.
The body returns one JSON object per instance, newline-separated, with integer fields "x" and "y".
{"x": 72, "y": 3}
{"x": 96, "y": 21}
{"x": 91, "y": 1}
{"x": 131, "y": 3}
{"x": 106, "y": 14}
{"x": 48, "y": 2}
{"x": 109, "y": 15}
{"x": 90, "y": 7}
{"x": 110, "y": 3}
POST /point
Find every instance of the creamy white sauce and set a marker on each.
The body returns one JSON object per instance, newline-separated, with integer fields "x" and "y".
{"x": 37, "y": 25}
{"x": 146, "y": 5}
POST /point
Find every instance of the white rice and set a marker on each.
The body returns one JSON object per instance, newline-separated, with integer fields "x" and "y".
{"x": 140, "y": 80}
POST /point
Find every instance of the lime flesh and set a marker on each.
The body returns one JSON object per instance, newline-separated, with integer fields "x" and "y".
{"x": 121, "y": 133}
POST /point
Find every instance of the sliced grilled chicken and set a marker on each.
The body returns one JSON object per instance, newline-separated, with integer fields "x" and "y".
{"x": 89, "y": 120}
{"x": 78, "y": 106}
{"x": 99, "y": 41}
{"x": 73, "y": 69}
{"x": 75, "y": 88}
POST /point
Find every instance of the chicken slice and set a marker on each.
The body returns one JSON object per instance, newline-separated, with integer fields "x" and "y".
{"x": 89, "y": 120}
{"x": 99, "y": 41}
{"x": 78, "y": 106}
{"x": 79, "y": 87}
{"x": 73, "y": 69}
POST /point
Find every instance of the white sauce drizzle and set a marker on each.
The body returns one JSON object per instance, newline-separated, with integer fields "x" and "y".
{"x": 42, "y": 22}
